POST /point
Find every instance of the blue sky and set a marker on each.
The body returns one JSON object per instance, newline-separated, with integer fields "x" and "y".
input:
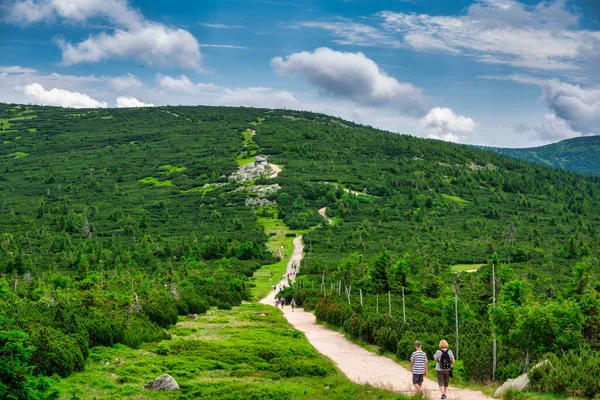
{"x": 493, "y": 72}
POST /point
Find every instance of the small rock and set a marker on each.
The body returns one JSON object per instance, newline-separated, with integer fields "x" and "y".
{"x": 163, "y": 382}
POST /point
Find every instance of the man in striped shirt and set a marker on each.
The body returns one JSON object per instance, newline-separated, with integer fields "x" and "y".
{"x": 418, "y": 364}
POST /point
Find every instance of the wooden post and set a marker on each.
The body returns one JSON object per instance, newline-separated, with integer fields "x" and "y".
{"x": 377, "y": 297}
{"x": 494, "y": 334}
{"x": 360, "y": 291}
{"x": 390, "y": 302}
{"x": 348, "y": 293}
{"x": 456, "y": 313}
{"x": 403, "y": 306}
{"x": 323, "y": 284}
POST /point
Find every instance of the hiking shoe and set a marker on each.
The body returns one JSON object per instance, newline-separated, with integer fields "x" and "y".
{"x": 443, "y": 396}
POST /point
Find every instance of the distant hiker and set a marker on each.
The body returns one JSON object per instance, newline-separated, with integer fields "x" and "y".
{"x": 293, "y": 304}
{"x": 274, "y": 288}
{"x": 418, "y": 364}
{"x": 443, "y": 367}
{"x": 277, "y": 303}
{"x": 282, "y": 302}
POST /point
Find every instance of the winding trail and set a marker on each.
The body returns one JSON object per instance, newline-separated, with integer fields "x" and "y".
{"x": 359, "y": 365}
{"x": 322, "y": 212}
{"x": 276, "y": 170}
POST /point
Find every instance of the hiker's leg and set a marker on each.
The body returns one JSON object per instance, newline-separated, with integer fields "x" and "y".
{"x": 440, "y": 379}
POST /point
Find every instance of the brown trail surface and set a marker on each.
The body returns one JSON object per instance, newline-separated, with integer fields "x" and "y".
{"x": 276, "y": 170}
{"x": 322, "y": 212}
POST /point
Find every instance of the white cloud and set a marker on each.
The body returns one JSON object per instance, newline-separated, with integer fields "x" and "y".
{"x": 183, "y": 84}
{"x": 352, "y": 33}
{"x": 575, "y": 110}
{"x": 32, "y": 11}
{"x": 15, "y": 69}
{"x": 539, "y": 37}
{"x": 550, "y": 129}
{"x": 125, "y": 83}
{"x": 220, "y": 26}
{"x": 578, "y": 106}
{"x": 128, "y": 102}
{"x": 154, "y": 44}
{"x": 61, "y": 97}
{"x": 208, "y": 93}
{"x": 442, "y": 123}
{"x": 499, "y": 32}
{"x": 133, "y": 38}
{"x": 353, "y": 76}
{"x": 257, "y": 97}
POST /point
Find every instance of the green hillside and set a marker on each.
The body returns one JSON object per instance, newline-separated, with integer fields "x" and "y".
{"x": 114, "y": 222}
{"x": 578, "y": 154}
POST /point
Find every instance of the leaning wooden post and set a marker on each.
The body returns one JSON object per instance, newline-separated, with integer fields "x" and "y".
{"x": 360, "y": 291}
{"x": 403, "y": 306}
{"x": 390, "y": 302}
{"x": 456, "y": 313}
{"x": 494, "y": 334}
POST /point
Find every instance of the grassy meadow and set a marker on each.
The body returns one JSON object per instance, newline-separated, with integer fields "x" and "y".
{"x": 224, "y": 354}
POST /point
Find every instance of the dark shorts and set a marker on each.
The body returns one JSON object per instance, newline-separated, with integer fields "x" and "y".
{"x": 418, "y": 379}
{"x": 443, "y": 377}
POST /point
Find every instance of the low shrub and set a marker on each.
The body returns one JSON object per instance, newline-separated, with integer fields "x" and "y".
{"x": 572, "y": 375}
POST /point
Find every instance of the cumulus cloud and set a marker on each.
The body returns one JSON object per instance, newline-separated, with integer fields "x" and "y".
{"x": 575, "y": 110}
{"x": 579, "y": 107}
{"x": 550, "y": 129}
{"x": 183, "y": 84}
{"x": 133, "y": 38}
{"x": 444, "y": 124}
{"x": 61, "y": 97}
{"x": 125, "y": 83}
{"x": 128, "y": 102}
{"x": 353, "y": 76}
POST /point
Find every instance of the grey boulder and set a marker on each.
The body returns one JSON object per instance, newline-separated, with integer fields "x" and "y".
{"x": 163, "y": 382}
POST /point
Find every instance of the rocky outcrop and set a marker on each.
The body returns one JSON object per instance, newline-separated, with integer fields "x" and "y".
{"x": 519, "y": 383}
{"x": 163, "y": 382}
{"x": 256, "y": 169}
{"x": 259, "y": 194}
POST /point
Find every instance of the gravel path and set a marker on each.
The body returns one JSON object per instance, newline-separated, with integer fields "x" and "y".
{"x": 276, "y": 170}
{"x": 358, "y": 364}
{"x": 322, "y": 212}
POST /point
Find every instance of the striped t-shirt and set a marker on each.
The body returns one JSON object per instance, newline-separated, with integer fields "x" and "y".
{"x": 420, "y": 358}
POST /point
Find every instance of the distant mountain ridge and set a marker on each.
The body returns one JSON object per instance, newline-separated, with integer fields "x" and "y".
{"x": 580, "y": 154}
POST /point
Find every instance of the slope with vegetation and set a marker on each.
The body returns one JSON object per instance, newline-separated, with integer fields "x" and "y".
{"x": 577, "y": 154}
{"x": 116, "y": 222}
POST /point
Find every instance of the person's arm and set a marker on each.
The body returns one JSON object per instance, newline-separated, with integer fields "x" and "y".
{"x": 412, "y": 362}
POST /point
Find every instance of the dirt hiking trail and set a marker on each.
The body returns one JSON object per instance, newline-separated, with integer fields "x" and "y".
{"x": 322, "y": 212}
{"x": 359, "y": 365}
